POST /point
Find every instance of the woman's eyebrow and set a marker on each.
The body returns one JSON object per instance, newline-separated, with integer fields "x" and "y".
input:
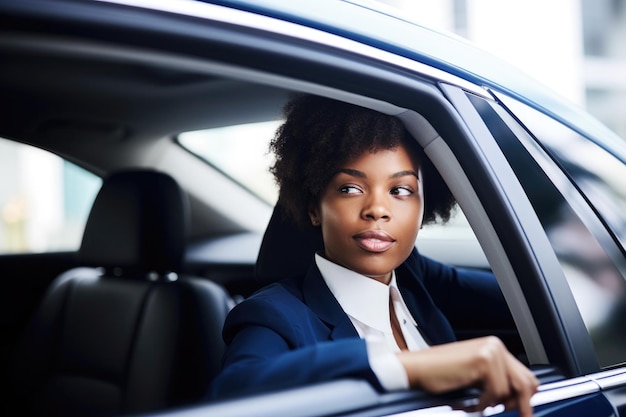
{"x": 353, "y": 172}
{"x": 404, "y": 174}
{"x": 361, "y": 174}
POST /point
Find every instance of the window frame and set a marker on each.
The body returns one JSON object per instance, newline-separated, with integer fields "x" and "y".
{"x": 580, "y": 204}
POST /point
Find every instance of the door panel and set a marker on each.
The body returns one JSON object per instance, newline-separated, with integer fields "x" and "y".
{"x": 24, "y": 279}
{"x": 588, "y": 405}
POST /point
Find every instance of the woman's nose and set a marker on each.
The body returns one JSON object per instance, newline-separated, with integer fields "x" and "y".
{"x": 375, "y": 209}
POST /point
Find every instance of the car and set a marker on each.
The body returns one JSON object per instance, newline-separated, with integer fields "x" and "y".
{"x": 184, "y": 96}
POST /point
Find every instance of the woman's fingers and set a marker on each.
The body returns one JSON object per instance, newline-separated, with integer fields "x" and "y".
{"x": 495, "y": 382}
{"x": 483, "y": 363}
{"x": 520, "y": 386}
{"x": 524, "y": 384}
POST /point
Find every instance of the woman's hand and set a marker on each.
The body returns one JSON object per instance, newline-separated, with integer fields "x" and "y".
{"x": 484, "y": 363}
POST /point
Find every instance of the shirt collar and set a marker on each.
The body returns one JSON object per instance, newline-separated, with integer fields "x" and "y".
{"x": 369, "y": 304}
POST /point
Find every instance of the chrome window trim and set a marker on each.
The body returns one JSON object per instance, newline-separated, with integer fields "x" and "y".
{"x": 268, "y": 24}
{"x": 547, "y": 394}
{"x": 610, "y": 379}
{"x": 575, "y": 387}
{"x": 564, "y": 390}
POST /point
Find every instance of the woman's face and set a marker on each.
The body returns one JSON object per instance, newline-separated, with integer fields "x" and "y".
{"x": 371, "y": 211}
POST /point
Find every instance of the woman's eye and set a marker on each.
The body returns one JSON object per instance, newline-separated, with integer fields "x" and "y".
{"x": 349, "y": 189}
{"x": 401, "y": 191}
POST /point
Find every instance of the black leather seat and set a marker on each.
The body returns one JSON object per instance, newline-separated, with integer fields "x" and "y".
{"x": 286, "y": 250}
{"x": 128, "y": 333}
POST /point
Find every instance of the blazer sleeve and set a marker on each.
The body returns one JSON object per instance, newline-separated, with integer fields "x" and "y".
{"x": 272, "y": 345}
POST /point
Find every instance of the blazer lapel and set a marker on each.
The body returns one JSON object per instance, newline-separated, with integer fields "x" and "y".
{"x": 323, "y": 303}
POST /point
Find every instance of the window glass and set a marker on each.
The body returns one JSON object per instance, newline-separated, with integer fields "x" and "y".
{"x": 44, "y": 200}
{"x": 592, "y": 261}
{"x": 597, "y": 169}
{"x": 240, "y": 152}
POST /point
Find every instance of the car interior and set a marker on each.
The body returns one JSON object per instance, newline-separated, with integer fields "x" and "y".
{"x": 130, "y": 321}
{"x": 133, "y": 333}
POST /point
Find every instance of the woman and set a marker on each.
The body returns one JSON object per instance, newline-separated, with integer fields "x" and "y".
{"x": 363, "y": 309}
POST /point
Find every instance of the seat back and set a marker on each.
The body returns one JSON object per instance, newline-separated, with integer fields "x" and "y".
{"x": 286, "y": 249}
{"x": 127, "y": 333}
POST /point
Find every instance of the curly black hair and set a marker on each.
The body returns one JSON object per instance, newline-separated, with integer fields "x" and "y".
{"x": 321, "y": 134}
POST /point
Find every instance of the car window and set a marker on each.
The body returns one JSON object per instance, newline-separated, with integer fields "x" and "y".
{"x": 240, "y": 152}
{"x": 44, "y": 200}
{"x": 597, "y": 170}
{"x": 561, "y": 194}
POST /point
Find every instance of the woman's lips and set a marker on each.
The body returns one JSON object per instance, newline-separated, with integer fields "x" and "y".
{"x": 374, "y": 240}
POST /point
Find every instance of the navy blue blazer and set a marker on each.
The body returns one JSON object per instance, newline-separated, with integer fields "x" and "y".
{"x": 294, "y": 332}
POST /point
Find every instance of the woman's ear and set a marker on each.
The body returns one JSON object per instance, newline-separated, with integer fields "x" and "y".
{"x": 314, "y": 216}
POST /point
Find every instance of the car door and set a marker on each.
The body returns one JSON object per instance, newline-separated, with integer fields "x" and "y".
{"x": 573, "y": 185}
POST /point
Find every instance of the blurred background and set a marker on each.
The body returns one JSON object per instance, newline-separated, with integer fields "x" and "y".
{"x": 575, "y": 47}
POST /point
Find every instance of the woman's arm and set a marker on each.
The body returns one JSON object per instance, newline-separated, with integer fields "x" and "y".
{"x": 271, "y": 347}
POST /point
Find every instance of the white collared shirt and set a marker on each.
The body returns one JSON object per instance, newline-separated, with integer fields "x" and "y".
{"x": 368, "y": 310}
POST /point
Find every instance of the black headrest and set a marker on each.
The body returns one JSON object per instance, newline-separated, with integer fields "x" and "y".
{"x": 286, "y": 249}
{"x": 138, "y": 224}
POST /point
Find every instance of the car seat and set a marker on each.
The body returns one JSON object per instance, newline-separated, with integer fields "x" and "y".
{"x": 127, "y": 333}
{"x": 286, "y": 249}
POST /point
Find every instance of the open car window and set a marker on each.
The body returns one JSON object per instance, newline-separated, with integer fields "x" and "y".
{"x": 241, "y": 152}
